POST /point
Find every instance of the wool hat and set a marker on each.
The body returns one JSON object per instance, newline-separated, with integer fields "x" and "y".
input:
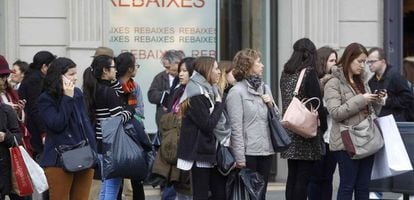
{"x": 104, "y": 51}
{"x": 4, "y": 66}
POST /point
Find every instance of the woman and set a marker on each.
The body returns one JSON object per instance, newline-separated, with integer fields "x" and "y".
{"x": 62, "y": 108}
{"x": 170, "y": 124}
{"x": 320, "y": 182}
{"x": 247, "y": 110}
{"x": 19, "y": 68}
{"x": 29, "y": 90}
{"x": 302, "y": 153}
{"x": 201, "y": 108}
{"x": 227, "y": 79}
{"x": 10, "y": 97}
{"x": 103, "y": 102}
{"x": 131, "y": 96}
{"x": 349, "y": 102}
{"x": 9, "y": 129}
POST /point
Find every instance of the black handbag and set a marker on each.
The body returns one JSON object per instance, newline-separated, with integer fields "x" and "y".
{"x": 278, "y": 135}
{"x": 78, "y": 157}
{"x": 225, "y": 159}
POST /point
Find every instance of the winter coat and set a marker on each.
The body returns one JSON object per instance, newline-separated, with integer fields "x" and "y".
{"x": 30, "y": 89}
{"x": 197, "y": 140}
{"x": 399, "y": 94}
{"x": 250, "y": 133}
{"x": 66, "y": 123}
{"x": 302, "y": 148}
{"x": 160, "y": 83}
{"x": 344, "y": 106}
{"x": 10, "y": 126}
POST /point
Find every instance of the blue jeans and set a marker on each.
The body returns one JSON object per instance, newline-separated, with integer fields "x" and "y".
{"x": 320, "y": 181}
{"x": 168, "y": 193}
{"x": 355, "y": 176}
{"x": 109, "y": 187}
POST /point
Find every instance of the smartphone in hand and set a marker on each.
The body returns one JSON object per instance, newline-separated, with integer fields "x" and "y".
{"x": 65, "y": 79}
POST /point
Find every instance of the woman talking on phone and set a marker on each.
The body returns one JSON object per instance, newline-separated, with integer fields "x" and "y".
{"x": 62, "y": 108}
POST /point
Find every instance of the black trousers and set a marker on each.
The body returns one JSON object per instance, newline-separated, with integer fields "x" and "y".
{"x": 262, "y": 165}
{"x": 205, "y": 180}
{"x": 299, "y": 172}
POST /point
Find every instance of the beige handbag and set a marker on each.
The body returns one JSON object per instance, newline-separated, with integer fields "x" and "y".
{"x": 363, "y": 139}
{"x": 298, "y": 118}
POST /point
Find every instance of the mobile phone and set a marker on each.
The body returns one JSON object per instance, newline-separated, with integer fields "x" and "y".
{"x": 379, "y": 91}
{"x": 65, "y": 79}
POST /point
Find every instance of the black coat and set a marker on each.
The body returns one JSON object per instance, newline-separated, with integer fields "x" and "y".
{"x": 159, "y": 85}
{"x": 399, "y": 94}
{"x": 9, "y": 125}
{"x": 197, "y": 140}
{"x": 30, "y": 90}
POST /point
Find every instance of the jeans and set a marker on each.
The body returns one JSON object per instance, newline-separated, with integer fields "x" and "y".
{"x": 299, "y": 172}
{"x": 355, "y": 176}
{"x": 109, "y": 187}
{"x": 320, "y": 182}
{"x": 168, "y": 193}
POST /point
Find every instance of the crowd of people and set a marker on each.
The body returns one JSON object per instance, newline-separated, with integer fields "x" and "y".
{"x": 201, "y": 104}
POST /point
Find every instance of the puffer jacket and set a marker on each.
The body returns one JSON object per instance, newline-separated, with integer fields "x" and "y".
{"x": 250, "y": 134}
{"x": 344, "y": 106}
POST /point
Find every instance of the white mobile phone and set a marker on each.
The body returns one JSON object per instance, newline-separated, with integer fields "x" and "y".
{"x": 65, "y": 79}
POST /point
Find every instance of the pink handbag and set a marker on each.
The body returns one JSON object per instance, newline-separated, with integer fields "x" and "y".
{"x": 298, "y": 118}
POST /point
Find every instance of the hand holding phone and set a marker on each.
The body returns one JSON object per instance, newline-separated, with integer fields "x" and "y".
{"x": 68, "y": 86}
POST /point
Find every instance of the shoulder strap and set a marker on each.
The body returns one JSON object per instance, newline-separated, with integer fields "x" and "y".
{"x": 302, "y": 74}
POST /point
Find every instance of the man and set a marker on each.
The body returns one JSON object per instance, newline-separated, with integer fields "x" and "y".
{"x": 389, "y": 80}
{"x": 160, "y": 86}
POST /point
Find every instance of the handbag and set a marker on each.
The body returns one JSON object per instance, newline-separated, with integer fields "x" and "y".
{"x": 298, "y": 118}
{"x": 77, "y": 157}
{"x": 363, "y": 139}
{"x": 278, "y": 135}
{"x": 225, "y": 159}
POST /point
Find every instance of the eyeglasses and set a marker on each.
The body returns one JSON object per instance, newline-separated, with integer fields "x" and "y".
{"x": 370, "y": 62}
{"x": 4, "y": 76}
{"x": 137, "y": 66}
{"x": 113, "y": 66}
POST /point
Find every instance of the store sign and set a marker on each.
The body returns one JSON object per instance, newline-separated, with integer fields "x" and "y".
{"x": 147, "y": 28}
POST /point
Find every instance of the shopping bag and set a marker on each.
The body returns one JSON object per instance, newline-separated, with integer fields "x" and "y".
{"x": 21, "y": 182}
{"x": 122, "y": 156}
{"x": 235, "y": 189}
{"x": 393, "y": 158}
{"x": 36, "y": 173}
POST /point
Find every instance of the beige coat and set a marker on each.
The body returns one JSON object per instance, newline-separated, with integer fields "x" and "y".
{"x": 344, "y": 106}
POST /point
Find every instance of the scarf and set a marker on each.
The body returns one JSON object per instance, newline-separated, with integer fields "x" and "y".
{"x": 198, "y": 85}
{"x": 255, "y": 81}
{"x": 129, "y": 88}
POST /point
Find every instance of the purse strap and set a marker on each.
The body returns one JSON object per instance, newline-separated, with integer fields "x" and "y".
{"x": 302, "y": 74}
{"x": 81, "y": 125}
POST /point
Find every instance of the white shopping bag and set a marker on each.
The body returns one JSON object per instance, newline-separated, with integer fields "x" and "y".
{"x": 36, "y": 173}
{"x": 393, "y": 159}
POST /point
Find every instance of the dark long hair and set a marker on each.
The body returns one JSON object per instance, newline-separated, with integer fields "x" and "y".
{"x": 352, "y": 52}
{"x": 91, "y": 75}
{"x": 52, "y": 83}
{"x": 304, "y": 55}
{"x": 322, "y": 59}
{"x": 39, "y": 59}
{"x": 124, "y": 62}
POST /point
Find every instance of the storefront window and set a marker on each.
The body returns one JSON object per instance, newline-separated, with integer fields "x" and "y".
{"x": 245, "y": 24}
{"x": 2, "y": 28}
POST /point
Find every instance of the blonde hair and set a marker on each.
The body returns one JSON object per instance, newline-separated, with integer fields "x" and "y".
{"x": 225, "y": 67}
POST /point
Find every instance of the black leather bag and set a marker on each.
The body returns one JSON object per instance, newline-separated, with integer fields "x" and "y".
{"x": 225, "y": 160}
{"x": 77, "y": 157}
{"x": 278, "y": 135}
